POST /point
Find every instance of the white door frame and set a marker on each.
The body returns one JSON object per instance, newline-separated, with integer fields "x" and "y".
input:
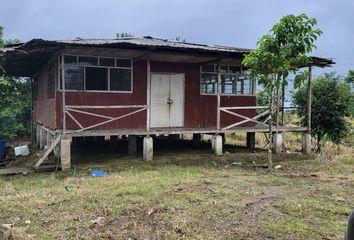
{"x": 184, "y": 92}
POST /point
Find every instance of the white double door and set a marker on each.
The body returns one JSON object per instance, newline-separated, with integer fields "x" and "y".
{"x": 167, "y": 100}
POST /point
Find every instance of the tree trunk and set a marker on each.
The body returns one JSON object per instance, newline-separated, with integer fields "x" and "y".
{"x": 270, "y": 133}
{"x": 318, "y": 150}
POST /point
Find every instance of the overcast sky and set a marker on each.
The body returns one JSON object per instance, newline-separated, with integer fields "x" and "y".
{"x": 224, "y": 22}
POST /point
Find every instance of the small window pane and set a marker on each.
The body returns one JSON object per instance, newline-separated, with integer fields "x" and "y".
{"x": 88, "y": 61}
{"x": 209, "y": 83}
{"x": 120, "y": 79}
{"x": 107, "y": 62}
{"x": 247, "y": 88}
{"x": 70, "y": 59}
{"x": 234, "y": 69}
{"x": 123, "y": 63}
{"x": 208, "y": 68}
{"x": 74, "y": 78}
{"x": 228, "y": 84}
{"x": 96, "y": 78}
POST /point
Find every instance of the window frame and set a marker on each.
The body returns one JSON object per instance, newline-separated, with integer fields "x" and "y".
{"x": 235, "y": 74}
{"x": 62, "y": 69}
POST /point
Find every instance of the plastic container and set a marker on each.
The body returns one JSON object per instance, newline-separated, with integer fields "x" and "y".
{"x": 22, "y": 151}
{"x": 2, "y": 148}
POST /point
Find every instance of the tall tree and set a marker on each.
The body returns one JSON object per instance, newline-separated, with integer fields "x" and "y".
{"x": 332, "y": 101}
{"x": 280, "y": 53}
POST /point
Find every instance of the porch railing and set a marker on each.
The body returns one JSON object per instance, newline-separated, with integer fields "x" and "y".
{"x": 261, "y": 119}
{"x": 69, "y": 109}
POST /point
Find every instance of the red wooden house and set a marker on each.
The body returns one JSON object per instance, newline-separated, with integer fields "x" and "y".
{"x": 135, "y": 87}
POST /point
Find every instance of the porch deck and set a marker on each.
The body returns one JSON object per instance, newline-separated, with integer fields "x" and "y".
{"x": 167, "y": 131}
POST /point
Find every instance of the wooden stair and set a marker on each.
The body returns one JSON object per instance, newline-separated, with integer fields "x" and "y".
{"x": 44, "y": 157}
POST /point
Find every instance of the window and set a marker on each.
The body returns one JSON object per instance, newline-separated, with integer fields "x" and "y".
{"x": 74, "y": 77}
{"x": 96, "y": 78}
{"x": 120, "y": 79}
{"x": 107, "y": 62}
{"x": 233, "y": 80}
{"x": 88, "y": 61}
{"x": 97, "y": 73}
{"x": 209, "y": 83}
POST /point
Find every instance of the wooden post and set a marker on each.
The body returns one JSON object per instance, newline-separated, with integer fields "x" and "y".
{"x": 63, "y": 95}
{"x": 309, "y": 102}
{"x": 278, "y": 107}
{"x": 251, "y": 140}
{"x": 283, "y": 102}
{"x": 306, "y": 140}
{"x": 148, "y": 97}
{"x": 218, "y": 97}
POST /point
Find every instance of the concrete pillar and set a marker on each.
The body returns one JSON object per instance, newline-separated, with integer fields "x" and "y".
{"x": 65, "y": 153}
{"x": 148, "y": 148}
{"x": 132, "y": 144}
{"x": 197, "y": 138}
{"x": 216, "y": 143}
{"x": 278, "y": 142}
{"x": 251, "y": 140}
{"x": 306, "y": 143}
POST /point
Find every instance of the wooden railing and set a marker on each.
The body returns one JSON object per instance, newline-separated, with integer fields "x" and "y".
{"x": 246, "y": 119}
{"x": 69, "y": 109}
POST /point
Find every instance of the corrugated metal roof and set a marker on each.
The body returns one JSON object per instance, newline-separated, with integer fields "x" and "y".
{"x": 143, "y": 42}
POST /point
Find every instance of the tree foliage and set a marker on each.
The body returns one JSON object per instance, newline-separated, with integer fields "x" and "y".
{"x": 124, "y": 35}
{"x": 1, "y": 37}
{"x": 283, "y": 51}
{"x": 15, "y": 104}
{"x": 332, "y": 101}
{"x": 279, "y": 53}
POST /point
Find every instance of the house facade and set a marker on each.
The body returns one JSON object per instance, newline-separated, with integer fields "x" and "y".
{"x": 134, "y": 87}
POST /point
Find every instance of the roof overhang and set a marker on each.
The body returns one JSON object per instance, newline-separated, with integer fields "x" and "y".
{"x": 24, "y": 60}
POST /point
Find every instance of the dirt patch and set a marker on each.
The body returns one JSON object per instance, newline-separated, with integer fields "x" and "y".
{"x": 133, "y": 224}
{"x": 251, "y": 217}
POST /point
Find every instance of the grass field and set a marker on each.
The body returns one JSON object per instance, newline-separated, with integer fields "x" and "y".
{"x": 184, "y": 193}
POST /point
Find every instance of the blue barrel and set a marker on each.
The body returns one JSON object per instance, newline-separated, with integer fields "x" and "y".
{"x": 2, "y": 148}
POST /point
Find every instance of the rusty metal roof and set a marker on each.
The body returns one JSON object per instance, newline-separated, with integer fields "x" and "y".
{"x": 25, "y": 59}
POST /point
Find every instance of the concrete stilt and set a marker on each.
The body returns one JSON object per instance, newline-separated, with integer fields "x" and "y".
{"x": 251, "y": 140}
{"x": 306, "y": 143}
{"x": 278, "y": 142}
{"x": 132, "y": 144}
{"x": 148, "y": 149}
{"x": 216, "y": 143}
{"x": 65, "y": 153}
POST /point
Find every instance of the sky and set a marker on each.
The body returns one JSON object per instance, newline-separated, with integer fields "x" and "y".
{"x": 223, "y": 22}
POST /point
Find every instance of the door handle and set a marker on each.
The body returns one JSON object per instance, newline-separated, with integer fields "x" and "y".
{"x": 169, "y": 101}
